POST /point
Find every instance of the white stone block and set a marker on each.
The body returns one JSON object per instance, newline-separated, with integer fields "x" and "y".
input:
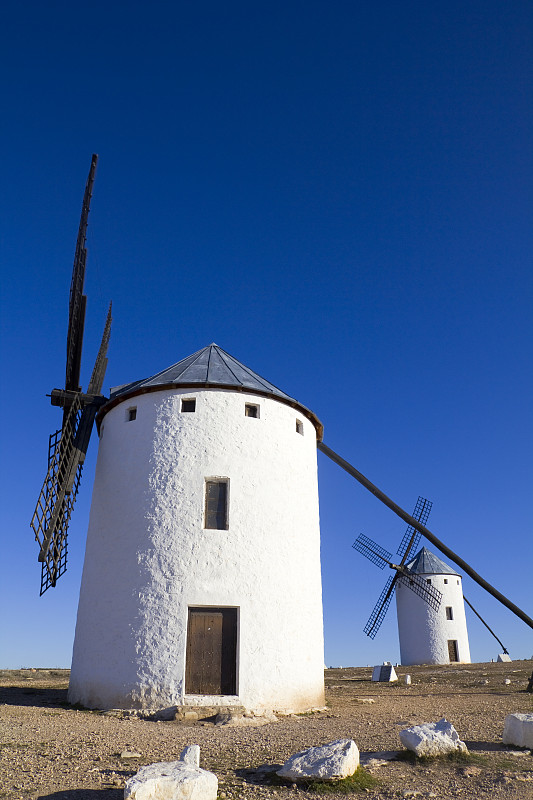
{"x": 504, "y": 657}
{"x": 518, "y": 730}
{"x": 173, "y": 780}
{"x": 432, "y": 738}
{"x": 329, "y": 762}
{"x": 191, "y": 755}
{"x": 384, "y": 673}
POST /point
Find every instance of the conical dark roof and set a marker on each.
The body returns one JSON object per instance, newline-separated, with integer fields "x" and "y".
{"x": 209, "y": 367}
{"x": 427, "y": 563}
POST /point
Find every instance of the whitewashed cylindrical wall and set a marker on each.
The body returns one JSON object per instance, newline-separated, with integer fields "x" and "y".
{"x": 425, "y": 634}
{"x": 149, "y": 557}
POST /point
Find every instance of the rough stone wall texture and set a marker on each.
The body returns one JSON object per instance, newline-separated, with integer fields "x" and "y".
{"x": 148, "y": 557}
{"x": 423, "y": 632}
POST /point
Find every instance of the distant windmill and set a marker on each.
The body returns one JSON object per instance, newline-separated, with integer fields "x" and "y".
{"x": 381, "y": 558}
{"x": 177, "y": 607}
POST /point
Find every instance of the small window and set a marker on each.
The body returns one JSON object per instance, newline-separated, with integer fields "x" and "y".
{"x": 449, "y": 612}
{"x": 216, "y": 505}
{"x": 132, "y": 414}
{"x": 299, "y": 427}
{"x": 189, "y": 405}
{"x": 445, "y": 580}
{"x": 428, "y": 580}
{"x": 251, "y": 411}
{"x": 457, "y": 582}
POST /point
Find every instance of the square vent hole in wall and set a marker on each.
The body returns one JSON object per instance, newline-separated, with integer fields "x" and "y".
{"x": 189, "y": 405}
{"x": 131, "y": 414}
{"x": 299, "y": 427}
{"x": 251, "y": 410}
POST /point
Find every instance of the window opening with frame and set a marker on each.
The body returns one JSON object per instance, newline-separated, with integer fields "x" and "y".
{"x": 132, "y": 414}
{"x": 449, "y": 612}
{"x": 299, "y": 427}
{"x": 251, "y": 410}
{"x": 216, "y": 505}
{"x": 188, "y": 405}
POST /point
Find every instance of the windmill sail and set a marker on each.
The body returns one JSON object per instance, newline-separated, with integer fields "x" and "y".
{"x": 56, "y": 499}
{"x": 68, "y": 447}
{"x": 77, "y": 300}
{"x": 380, "y": 609}
{"x": 422, "y": 588}
{"x": 411, "y": 537}
{"x": 380, "y": 557}
{"x": 376, "y": 554}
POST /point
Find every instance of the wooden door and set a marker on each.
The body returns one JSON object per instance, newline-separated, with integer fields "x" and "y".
{"x": 211, "y": 661}
{"x": 453, "y": 653}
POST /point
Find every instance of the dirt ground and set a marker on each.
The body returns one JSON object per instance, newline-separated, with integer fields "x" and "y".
{"x": 50, "y": 750}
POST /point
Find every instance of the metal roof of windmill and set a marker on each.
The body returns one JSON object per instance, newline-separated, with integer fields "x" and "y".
{"x": 210, "y": 367}
{"x": 427, "y": 563}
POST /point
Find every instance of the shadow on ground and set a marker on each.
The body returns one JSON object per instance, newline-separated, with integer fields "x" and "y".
{"x": 474, "y": 747}
{"x": 26, "y": 696}
{"x": 84, "y": 794}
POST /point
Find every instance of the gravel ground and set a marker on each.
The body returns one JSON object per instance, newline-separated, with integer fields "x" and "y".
{"x": 50, "y": 750}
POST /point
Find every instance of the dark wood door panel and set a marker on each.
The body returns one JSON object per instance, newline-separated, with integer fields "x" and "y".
{"x": 211, "y": 651}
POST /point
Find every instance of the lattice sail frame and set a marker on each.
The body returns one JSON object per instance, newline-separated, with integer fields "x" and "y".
{"x": 422, "y": 588}
{"x": 57, "y": 497}
{"x": 380, "y": 557}
{"x": 376, "y": 554}
{"x": 411, "y": 537}
{"x": 380, "y": 609}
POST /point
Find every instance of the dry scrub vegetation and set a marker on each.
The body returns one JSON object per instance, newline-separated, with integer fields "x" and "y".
{"x": 51, "y": 751}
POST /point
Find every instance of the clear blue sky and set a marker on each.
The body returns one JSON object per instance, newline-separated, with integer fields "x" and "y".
{"x": 339, "y": 195}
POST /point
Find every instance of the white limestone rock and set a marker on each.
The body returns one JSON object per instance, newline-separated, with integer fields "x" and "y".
{"x": 327, "y": 763}
{"x": 518, "y": 730}
{"x": 191, "y": 755}
{"x": 236, "y": 719}
{"x": 384, "y": 673}
{"x": 171, "y": 780}
{"x": 432, "y": 738}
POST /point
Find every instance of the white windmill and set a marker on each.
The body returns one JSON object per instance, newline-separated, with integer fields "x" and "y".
{"x": 428, "y": 635}
{"x": 201, "y": 582}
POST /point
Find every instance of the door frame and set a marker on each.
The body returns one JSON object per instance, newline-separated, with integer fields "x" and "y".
{"x": 211, "y": 608}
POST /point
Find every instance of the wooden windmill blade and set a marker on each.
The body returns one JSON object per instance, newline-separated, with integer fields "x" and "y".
{"x": 429, "y": 593}
{"x": 376, "y": 554}
{"x": 100, "y": 365}
{"x": 68, "y": 447}
{"x": 411, "y": 537}
{"x": 380, "y": 609}
{"x": 77, "y": 300}
{"x": 54, "y": 504}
